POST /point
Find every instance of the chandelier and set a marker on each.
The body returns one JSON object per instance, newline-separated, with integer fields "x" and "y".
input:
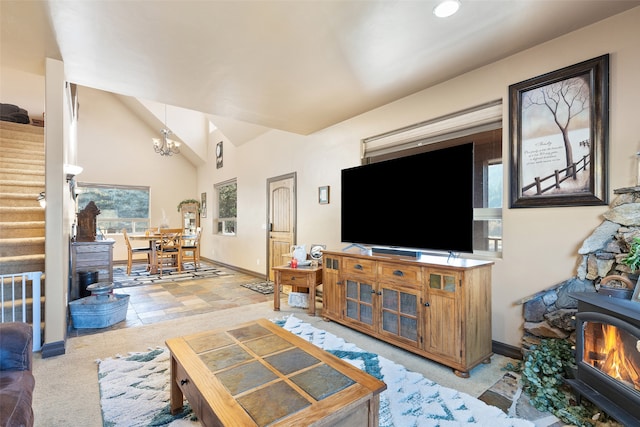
{"x": 165, "y": 146}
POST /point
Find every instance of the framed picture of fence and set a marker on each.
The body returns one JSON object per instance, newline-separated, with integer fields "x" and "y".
{"x": 559, "y": 130}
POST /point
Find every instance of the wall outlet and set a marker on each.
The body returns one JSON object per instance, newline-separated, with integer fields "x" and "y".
{"x": 258, "y": 261}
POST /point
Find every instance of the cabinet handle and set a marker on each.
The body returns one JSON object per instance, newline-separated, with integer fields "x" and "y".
{"x": 398, "y": 273}
{"x": 183, "y": 382}
{"x": 373, "y": 291}
{"x": 339, "y": 283}
{"x": 426, "y": 304}
{"x": 293, "y": 278}
{"x": 358, "y": 267}
{"x": 379, "y": 293}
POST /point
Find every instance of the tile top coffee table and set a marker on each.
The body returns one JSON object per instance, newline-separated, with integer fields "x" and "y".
{"x": 259, "y": 374}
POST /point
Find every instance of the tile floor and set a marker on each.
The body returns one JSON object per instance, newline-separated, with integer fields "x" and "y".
{"x": 167, "y": 300}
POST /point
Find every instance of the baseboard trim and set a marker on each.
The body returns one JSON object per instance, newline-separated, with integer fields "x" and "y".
{"x": 506, "y": 350}
{"x": 234, "y": 268}
{"x": 53, "y": 349}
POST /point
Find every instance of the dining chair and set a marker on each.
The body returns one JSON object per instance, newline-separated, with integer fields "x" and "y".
{"x": 169, "y": 230}
{"x": 131, "y": 251}
{"x": 191, "y": 248}
{"x": 169, "y": 251}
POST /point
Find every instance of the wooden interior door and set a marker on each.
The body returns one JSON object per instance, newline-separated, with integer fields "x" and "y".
{"x": 281, "y": 223}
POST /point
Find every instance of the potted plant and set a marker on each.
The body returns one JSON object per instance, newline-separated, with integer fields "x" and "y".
{"x": 632, "y": 260}
{"x": 189, "y": 201}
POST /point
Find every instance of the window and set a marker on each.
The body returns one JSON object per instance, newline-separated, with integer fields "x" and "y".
{"x": 482, "y": 126}
{"x": 487, "y": 212}
{"x": 121, "y": 206}
{"x": 227, "y": 205}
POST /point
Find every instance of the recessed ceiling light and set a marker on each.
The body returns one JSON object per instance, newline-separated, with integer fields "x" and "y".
{"x": 446, "y": 8}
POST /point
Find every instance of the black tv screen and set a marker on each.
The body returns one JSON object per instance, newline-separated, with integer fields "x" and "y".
{"x": 423, "y": 201}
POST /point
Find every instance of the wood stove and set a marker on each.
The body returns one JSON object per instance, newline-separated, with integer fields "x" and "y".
{"x": 608, "y": 355}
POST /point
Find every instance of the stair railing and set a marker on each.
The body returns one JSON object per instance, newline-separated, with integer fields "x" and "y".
{"x": 11, "y": 302}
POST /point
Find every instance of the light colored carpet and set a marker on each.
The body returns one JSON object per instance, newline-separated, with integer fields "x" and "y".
{"x": 135, "y": 389}
{"x": 67, "y": 392}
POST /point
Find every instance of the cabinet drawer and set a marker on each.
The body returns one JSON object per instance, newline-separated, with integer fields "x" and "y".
{"x": 359, "y": 266}
{"x": 406, "y": 274}
{"x": 87, "y": 249}
{"x": 188, "y": 388}
{"x": 295, "y": 278}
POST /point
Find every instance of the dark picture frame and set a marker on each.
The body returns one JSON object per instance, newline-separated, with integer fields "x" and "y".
{"x": 559, "y": 132}
{"x": 203, "y": 205}
{"x": 219, "y": 155}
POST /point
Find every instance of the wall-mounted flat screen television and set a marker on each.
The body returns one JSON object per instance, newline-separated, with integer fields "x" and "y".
{"x": 423, "y": 201}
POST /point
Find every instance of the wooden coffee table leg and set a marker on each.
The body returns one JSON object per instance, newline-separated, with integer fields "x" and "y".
{"x": 312, "y": 295}
{"x": 176, "y": 394}
{"x": 276, "y": 292}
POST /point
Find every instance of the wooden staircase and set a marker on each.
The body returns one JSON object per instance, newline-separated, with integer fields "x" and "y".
{"x": 22, "y": 230}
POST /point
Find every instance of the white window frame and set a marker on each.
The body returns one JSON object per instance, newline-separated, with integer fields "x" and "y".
{"x": 222, "y": 224}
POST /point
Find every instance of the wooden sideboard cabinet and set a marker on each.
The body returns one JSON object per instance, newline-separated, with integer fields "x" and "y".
{"x": 434, "y": 307}
{"x": 90, "y": 256}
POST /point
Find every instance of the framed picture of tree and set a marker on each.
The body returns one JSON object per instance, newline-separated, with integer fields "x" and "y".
{"x": 559, "y": 131}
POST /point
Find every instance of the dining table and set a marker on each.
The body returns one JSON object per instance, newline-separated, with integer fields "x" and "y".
{"x": 153, "y": 237}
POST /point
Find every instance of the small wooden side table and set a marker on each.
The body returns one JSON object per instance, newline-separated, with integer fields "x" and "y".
{"x": 302, "y": 277}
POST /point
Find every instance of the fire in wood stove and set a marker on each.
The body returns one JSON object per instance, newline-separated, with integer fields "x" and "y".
{"x": 614, "y": 352}
{"x": 608, "y": 355}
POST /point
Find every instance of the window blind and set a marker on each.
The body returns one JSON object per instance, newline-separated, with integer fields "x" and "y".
{"x": 482, "y": 118}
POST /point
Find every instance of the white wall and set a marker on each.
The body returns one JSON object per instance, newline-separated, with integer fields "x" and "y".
{"x": 26, "y": 90}
{"x": 114, "y": 147}
{"x": 540, "y": 245}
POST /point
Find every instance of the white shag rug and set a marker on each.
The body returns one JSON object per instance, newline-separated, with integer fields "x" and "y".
{"x": 134, "y": 390}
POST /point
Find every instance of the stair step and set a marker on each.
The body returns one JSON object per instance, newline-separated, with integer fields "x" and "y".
{"x": 21, "y": 246}
{"x": 27, "y": 200}
{"x": 17, "y": 153}
{"x": 10, "y": 312}
{"x": 23, "y": 164}
{"x": 28, "y": 143}
{"x": 18, "y": 214}
{"x": 23, "y": 229}
{"x": 20, "y": 127}
{"x": 21, "y": 263}
{"x": 24, "y": 187}
{"x": 26, "y": 175}
{"x": 25, "y": 133}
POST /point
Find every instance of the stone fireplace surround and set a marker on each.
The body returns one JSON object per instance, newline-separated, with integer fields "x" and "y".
{"x": 550, "y": 313}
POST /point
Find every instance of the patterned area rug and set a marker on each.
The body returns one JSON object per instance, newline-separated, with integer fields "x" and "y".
{"x": 140, "y": 276}
{"x": 265, "y": 288}
{"x": 134, "y": 390}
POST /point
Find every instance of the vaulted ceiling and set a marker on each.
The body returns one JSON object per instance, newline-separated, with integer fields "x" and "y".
{"x": 298, "y": 66}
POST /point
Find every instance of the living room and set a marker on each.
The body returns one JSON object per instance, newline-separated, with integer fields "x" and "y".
{"x": 539, "y": 245}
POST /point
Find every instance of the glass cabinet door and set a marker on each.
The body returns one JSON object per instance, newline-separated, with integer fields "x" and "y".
{"x": 400, "y": 313}
{"x": 359, "y": 302}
